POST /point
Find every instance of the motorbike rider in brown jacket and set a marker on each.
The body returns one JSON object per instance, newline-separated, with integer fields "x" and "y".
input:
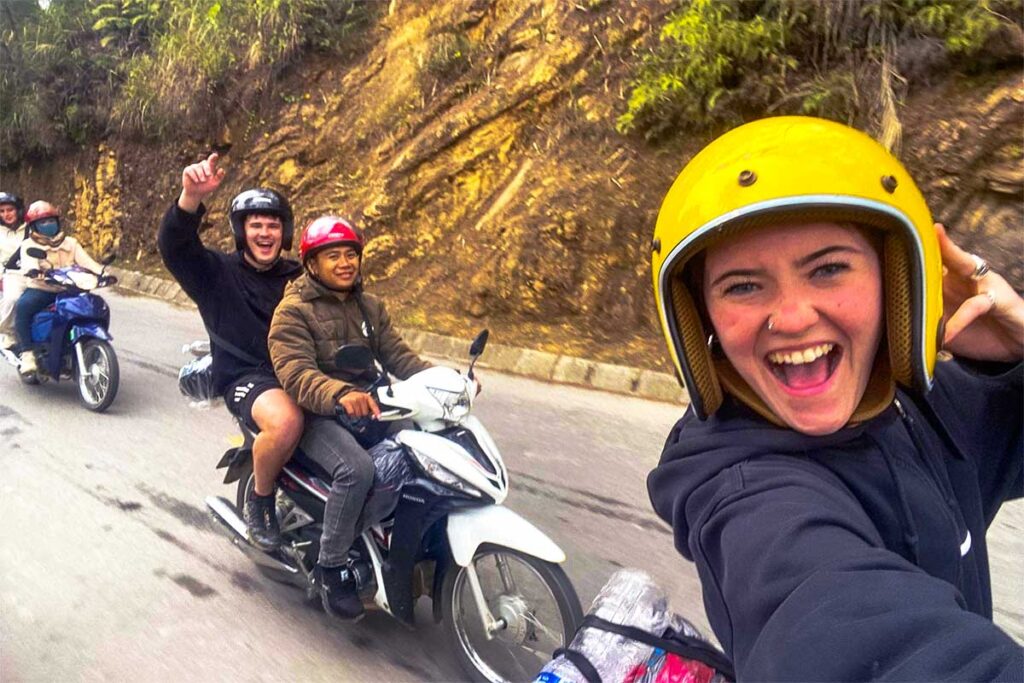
{"x": 323, "y": 309}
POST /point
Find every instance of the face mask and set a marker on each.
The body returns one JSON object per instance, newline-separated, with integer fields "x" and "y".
{"x": 48, "y": 227}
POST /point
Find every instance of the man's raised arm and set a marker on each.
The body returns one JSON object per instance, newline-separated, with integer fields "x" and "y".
{"x": 191, "y": 264}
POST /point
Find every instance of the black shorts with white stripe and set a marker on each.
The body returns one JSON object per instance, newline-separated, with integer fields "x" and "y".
{"x": 241, "y": 395}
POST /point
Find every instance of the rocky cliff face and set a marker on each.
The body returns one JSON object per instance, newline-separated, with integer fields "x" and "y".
{"x": 474, "y": 143}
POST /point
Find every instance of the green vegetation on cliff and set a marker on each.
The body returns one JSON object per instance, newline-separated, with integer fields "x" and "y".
{"x": 85, "y": 68}
{"x": 720, "y": 62}
{"x": 82, "y": 68}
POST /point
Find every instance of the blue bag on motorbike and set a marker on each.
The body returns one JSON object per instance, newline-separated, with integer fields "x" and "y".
{"x": 42, "y": 325}
{"x": 73, "y": 316}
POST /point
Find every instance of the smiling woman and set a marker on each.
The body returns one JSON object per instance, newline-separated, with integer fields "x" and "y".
{"x": 800, "y": 323}
{"x": 833, "y": 479}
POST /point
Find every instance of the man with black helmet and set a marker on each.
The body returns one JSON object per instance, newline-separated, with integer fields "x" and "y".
{"x": 236, "y": 295}
{"x": 12, "y": 233}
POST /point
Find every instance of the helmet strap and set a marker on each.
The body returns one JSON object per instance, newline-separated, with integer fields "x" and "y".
{"x": 878, "y": 394}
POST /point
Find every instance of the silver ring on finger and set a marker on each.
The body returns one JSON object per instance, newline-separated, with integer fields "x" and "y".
{"x": 981, "y": 268}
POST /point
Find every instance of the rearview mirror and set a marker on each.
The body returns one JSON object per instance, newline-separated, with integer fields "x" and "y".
{"x": 478, "y": 345}
{"x": 36, "y": 252}
{"x": 353, "y": 358}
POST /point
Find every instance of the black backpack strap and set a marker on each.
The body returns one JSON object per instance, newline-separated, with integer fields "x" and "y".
{"x": 684, "y": 646}
{"x": 234, "y": 350}
{"x": 580, "y": 661}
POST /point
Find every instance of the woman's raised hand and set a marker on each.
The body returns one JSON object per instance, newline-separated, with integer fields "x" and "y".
{"x": 984, "y": 315}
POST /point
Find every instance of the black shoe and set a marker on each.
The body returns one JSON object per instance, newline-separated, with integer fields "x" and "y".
{"x": 339, "y": 597}
{"x": 261, "y": 522}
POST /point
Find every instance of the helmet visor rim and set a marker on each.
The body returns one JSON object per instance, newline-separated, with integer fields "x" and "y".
{"x": 805, "y": 208}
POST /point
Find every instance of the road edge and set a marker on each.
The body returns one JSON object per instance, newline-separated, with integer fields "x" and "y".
{"x": 541, "y": 365}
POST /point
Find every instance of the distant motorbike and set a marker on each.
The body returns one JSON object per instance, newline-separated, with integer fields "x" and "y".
{"x": 494, "y": 578}
{"x": 70, "y": 337}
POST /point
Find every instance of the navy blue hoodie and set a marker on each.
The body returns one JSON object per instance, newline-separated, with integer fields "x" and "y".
{"x": 859, "y": 555}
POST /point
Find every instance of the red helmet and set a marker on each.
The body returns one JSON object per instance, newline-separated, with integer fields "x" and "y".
{"x": 43, "y": 222}
{"x": 328, "y": 231}
{"x": 39, "y": 210}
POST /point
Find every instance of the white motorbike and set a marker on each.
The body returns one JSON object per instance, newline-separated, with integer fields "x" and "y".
{"x": 493, "y": 577}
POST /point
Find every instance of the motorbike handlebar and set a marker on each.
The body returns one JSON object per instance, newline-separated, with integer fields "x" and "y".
{"x": 61, "y": 276}
{"x": 357, "y": 425}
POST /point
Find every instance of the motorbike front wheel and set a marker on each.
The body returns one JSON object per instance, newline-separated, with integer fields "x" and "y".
{"x": 534, "y": 602}
{"x": 98, "y": 377}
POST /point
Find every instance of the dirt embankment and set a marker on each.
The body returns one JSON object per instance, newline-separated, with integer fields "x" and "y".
{"x": 474, "y": 142}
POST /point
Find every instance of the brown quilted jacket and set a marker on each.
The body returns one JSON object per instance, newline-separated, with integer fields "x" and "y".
{"x": 309, "y": 325}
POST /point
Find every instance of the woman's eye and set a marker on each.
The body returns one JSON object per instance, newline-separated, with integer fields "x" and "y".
{"x": 740, "y": 288}
{"x": 830, "y": 269}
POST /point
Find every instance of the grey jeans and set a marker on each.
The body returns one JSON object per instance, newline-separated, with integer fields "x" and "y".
{"x": 350, "y": 467}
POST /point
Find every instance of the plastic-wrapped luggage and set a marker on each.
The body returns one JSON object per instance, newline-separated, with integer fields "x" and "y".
{"x": 631, "y": 636}
{"x": 391, "y": 471}
{"x": 195, "y": 380}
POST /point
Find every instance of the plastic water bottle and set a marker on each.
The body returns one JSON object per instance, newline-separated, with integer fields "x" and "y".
{"x": 630, "y": 598}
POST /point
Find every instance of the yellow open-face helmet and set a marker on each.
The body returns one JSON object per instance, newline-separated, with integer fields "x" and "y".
{"x": 797, "y": 169}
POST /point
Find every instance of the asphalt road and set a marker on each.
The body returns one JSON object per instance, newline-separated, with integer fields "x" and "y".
{"x": 110, "y": 568}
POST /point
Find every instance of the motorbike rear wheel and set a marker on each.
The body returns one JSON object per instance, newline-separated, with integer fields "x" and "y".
{"x": 536, "y": 600}
{"x": 98, "y": 380}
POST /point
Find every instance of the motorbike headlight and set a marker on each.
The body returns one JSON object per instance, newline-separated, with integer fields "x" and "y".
{"x": 454, "y": 404}
{"x": 438, "y": 472}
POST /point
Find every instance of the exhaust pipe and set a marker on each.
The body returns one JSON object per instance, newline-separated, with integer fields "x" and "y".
{"x": 224, "y": 512}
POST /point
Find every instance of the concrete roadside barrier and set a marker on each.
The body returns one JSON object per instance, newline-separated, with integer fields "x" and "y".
{"x": 542, "y": 365}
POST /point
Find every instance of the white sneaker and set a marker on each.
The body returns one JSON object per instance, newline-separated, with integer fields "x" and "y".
{"x": 28, "y": 363}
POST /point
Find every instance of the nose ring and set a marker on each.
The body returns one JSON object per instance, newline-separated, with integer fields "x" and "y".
{"x": 771, "y": 324}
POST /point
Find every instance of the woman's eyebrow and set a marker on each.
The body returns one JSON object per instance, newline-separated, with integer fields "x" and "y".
{"x": 824, "y": 252}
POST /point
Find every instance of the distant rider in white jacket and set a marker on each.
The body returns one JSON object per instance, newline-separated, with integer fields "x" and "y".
{"x": 12, "y": 233}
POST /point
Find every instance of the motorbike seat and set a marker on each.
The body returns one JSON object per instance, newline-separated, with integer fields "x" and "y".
{"x": 299, "y": 458}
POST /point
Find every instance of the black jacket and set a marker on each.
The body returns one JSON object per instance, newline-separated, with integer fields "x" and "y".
{"x": 858, "y": 555}
{"x": 235, "y": 300}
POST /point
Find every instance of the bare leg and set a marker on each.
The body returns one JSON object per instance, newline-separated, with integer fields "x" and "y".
{"x": 280, "y": 422}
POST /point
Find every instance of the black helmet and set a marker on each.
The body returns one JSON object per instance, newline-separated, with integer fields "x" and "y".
{"x": 262, "y": 201}
{"x": 19, "y": 206}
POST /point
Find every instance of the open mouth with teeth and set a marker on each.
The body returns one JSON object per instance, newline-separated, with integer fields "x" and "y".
{"x": 263, "y": 248}
{"x": 803, "y": 369}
